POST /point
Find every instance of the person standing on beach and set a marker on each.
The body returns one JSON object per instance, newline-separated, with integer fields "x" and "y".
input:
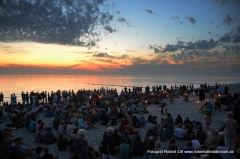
{"x": 230, "y": 125}
{"x": 1, "y": 98}
{"x": 207, "y": 119}
{"x": 27, "y": 98}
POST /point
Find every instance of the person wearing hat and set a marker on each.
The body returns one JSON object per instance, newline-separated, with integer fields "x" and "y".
{"x": 180, "y": 132}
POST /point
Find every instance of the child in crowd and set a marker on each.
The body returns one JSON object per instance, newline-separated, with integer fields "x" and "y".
{"x": 207, "y": 119}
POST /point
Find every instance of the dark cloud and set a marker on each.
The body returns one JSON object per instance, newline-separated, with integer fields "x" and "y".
{"x": 232, "y": 48}
{"x": 156, "y": 50}
{"x": 123, "y": 20}
{"x": 101, "y": 55}
{"x": 228, "y": 20}
{"x": 191, "y": 19}
{"x": 222, "y": 2}
{"x": 123, "y": 56}
{"x": 204, "y": 44}
{"x": 176, "y": 17}
{"x": 225, "y": 38}
{"x": 238, "y": 29}
{"x": 236, "y": 38}
{"x": 170, "y": 48}
{"x": 63, "y": 22}
{"x": 151, "y": 12}
{"x": 200, "y": 44}
{"x": 109, "y": 29}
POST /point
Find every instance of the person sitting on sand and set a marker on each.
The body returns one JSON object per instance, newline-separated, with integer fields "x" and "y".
{"x": 62, "y": 143}
{"x": 37, "y": 154}
{"x": 48, "y": 155}
{"x": 125, "y": 135}
{"x": 124, "y": 150}
{"x": 188, "y": 133}
{"x": 214, "y": 141}
{"x": 39, "y": 135}
{"x": 33, "y": 125}
{"x": 80, "y": 122}
{"x": 121, "y": 127}
{"x": 178, "y": 120}
{"x": 138, "y": 147}
{"x": 129, "y": 128}
{"x": 201, "y": 135}
{"x": 71, "y": 129}
{"x": 180, "y": 132}
{"x": 188, "y": 148}
{"x": 197, "y": 123}
{"x": 169, "y": 132}
{"x": 88, "y": 124}
{"x": 49, "y": 138}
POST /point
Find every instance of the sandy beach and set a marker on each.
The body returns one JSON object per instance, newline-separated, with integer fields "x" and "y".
{"x": 94, "y": 136}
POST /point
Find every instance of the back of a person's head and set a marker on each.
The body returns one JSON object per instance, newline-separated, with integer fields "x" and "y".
{"x": 193, "y": 136}
{"x": 60, "y": 136}
{"x": 230, "y": 115}
{"x": 221, "y": 142}
{"x": 138, "y": 138}
{"x": 115, "y": 131}
{"x": 135, "y": 132}
{"x": 110, "y": 131}
{"x": 124, "y": 140}
{"x": 39, "y": 149}
{"x": 49, "y": 129}
{"x": 172, "y": 140}
{"x": 126, "y": 132}
{"x": 179, "y": 125}
{"x": 217, "y": 156}
{"x": 46, "y": 150}
{"x": 188, "y": 143}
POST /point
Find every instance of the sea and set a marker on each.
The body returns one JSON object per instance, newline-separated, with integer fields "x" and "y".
{"x": 10, "y": 84}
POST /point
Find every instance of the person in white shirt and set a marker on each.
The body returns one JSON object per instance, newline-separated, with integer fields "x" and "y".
{"x": 180, "y": 132}
{"x": 195, "y": 142}
{"x": 70, "y": 129}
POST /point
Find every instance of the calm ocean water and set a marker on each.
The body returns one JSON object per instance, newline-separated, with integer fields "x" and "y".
{"x": 17, "y": 83}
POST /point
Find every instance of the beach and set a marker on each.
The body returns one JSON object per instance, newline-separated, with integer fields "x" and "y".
{"x": 94, "y": 136}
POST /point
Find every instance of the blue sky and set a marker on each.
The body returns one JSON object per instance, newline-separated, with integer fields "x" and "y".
{"x": 120, "y": 37}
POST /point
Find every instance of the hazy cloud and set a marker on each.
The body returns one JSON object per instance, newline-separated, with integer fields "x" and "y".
{"x": 52, "y": 21}
{"x": 151, "y": 12}
{"x": 123, "y": 56}
{"x": 109, "y": 29}
{"x": 176, "y": 17}
{"x": 222, "y": 2}
{"x": 238, "y": 29}
{"x": 228, "y": 20}
{"x": 191, "y": 19}
{"x": 123, "y": 20}
{"x": 236, "y": 38}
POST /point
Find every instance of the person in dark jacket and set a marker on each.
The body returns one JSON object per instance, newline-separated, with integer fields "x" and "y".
{"x": 138, "y": 147}
{"x": 62, "y": 143}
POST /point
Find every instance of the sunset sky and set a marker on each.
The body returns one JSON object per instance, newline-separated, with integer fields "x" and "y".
{"x": 120, "y": 37}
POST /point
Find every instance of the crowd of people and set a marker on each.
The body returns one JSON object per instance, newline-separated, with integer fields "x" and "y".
{"x": 127, "y": 110}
